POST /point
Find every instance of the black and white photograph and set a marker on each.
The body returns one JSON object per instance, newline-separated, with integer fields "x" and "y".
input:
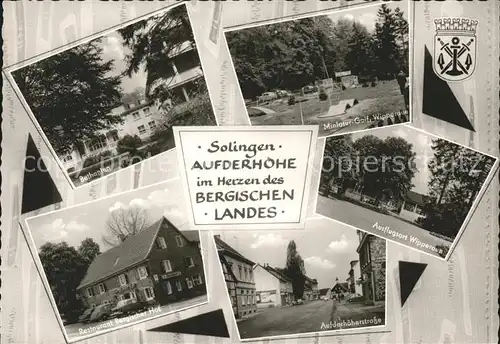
{"x": 291, "y": 283}
{"x": 403, "y": 184}
{"x": 111, "y": 102}
{"x": 120, "y": 260}
{"x": 345, "y": 71}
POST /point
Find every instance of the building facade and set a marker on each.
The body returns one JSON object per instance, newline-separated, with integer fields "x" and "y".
{"x": 142, "y": 117}
{"x": 354, "y": 279}
{"x": 311, "y": 291}
{"x": 159, "y": 265}
{"x": 372, "y": 260}
{"x": 239, "y": 278}
{"x": 273, "y": 289}
{"x": 412, "y": 206}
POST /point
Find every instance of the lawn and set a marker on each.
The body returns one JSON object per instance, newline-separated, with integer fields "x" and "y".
{"x": 383, "y": 98}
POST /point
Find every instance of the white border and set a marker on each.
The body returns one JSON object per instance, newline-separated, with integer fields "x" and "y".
{"x": 250, "y": 226}
{"x": 34, "y": 252}
{"x": 467, "y": 219}
{"x": 12, "y": 68}
{"x": 325, "y": 333}
{"x": 323, "y": 13}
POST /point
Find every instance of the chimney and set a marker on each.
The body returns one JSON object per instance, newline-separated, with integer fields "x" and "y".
{"x": 266, "y": 265}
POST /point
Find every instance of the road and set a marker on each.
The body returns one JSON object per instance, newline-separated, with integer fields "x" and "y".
{"x": 305, "y": 318}
{"x": 365, "y": 219}
{"x": 73, "y": 330}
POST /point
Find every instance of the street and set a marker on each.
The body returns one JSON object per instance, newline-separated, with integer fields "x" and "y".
{"x": 305, "y": 318}
{"x": 73, "y": 330}
{"x": 364, "y": 219}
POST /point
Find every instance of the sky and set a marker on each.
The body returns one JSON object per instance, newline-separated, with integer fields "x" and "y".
{"x": 421, "y": 146}
{"x": 368, "y": 15}
{"x": 327, "y": 248}
{"x": 89, "y": 220}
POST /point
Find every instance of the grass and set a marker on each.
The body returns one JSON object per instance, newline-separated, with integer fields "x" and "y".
{"x": 386, "y": 98}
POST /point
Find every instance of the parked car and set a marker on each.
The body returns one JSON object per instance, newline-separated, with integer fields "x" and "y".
{"x": 129, "y": 306}
{"x": 354, "y": 298}
{"x": 85, "y": 317}
{"x": 325, "y": 298}
{"x": 101, "y": 312}
{"x": 282, "y": 93}
{"x": 309, "y": 89}
{"x": 267, "y": 96}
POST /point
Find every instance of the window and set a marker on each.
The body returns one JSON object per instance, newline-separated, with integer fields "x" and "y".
{"x": 113, "y": 135}
{"x": 149, "y": 293}
{"x": 409, "y": 206}
{"x": 97, "y": 143}
{"x": 166, "y": 266}
{"x": 123, "y": 280}
{"x": 142, "y": 129}
{"x": 178, "y": 284}
{"x": 197, "y": 279}
{"x": 90, "y": 292}
{"x": 136, "y": 116}
{"x": 240, "y": 275}
{"x": 243, "y": 303}
{"x": 161, "y": 244}
{"x": 128, "y": 296}
{"x": 152, "y": 125}
{"x": 189, "y": 283}
{"x": 147, "y": 111}
{"x": 189, "y": 261}
{"x": 167, "y": 287}
{"x": 67, "y": 158}
{"x": 419, "y": 210}
{"x": 250, "y": 274}
{"x": 102, "y": 288}
{"x": 246, "y": 274}
{"x": 233, "y": 300}
{"x": 179, "y": 241}
{"x": 143, "y": 272}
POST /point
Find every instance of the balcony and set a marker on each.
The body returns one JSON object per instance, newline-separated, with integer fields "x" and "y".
{"x": 184, "y": 77}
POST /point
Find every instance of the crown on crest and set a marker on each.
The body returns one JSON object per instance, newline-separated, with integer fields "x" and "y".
{"x": 461, "y": 25}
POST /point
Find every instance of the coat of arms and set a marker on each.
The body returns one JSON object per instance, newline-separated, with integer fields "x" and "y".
{"x": 455, "y": 48}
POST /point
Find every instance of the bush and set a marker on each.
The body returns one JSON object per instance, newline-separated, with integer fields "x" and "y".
{"x": 92, "y": 160}
{"x": 291, "y": 100}
{"x": 365, "y": 84}
{"x": 129, "y": 144}
{"x": 343, "y": 87}
{"x": 374, "y": 83}
{"x": 323, "y": 95}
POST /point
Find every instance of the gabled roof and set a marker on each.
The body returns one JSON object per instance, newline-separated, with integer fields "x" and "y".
{"x": 415, "y": 197}
{"x": 323, "y": 291}
{"x": 226, "y": 249}
{"x": 311, "y": 280}
{"x": 343, "y": 286}
{"x": 275, "y": 273}
{"x": 132, "y": 251}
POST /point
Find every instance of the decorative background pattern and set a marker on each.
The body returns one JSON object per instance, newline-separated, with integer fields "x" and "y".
{"x": 454, "y": 302}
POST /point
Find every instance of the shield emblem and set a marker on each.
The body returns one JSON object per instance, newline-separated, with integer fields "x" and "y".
{"x": 455, "y": 48}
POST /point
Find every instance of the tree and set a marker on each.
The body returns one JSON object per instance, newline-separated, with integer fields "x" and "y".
{"x": 65, "y": 269}
{"x": 295, "y": 270}
{"x": 457, "y": 176}
{"x": 71, "y": 94}
{"x": 125, "y": 222}
{"x": 386, "y": 49}
{"x": 386, "y": 166}
{"x": 129, "y": 144}
{"x": 338, "y": 162}
{"x": 88, "y": 250}
{"x": 360, "y": 56}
